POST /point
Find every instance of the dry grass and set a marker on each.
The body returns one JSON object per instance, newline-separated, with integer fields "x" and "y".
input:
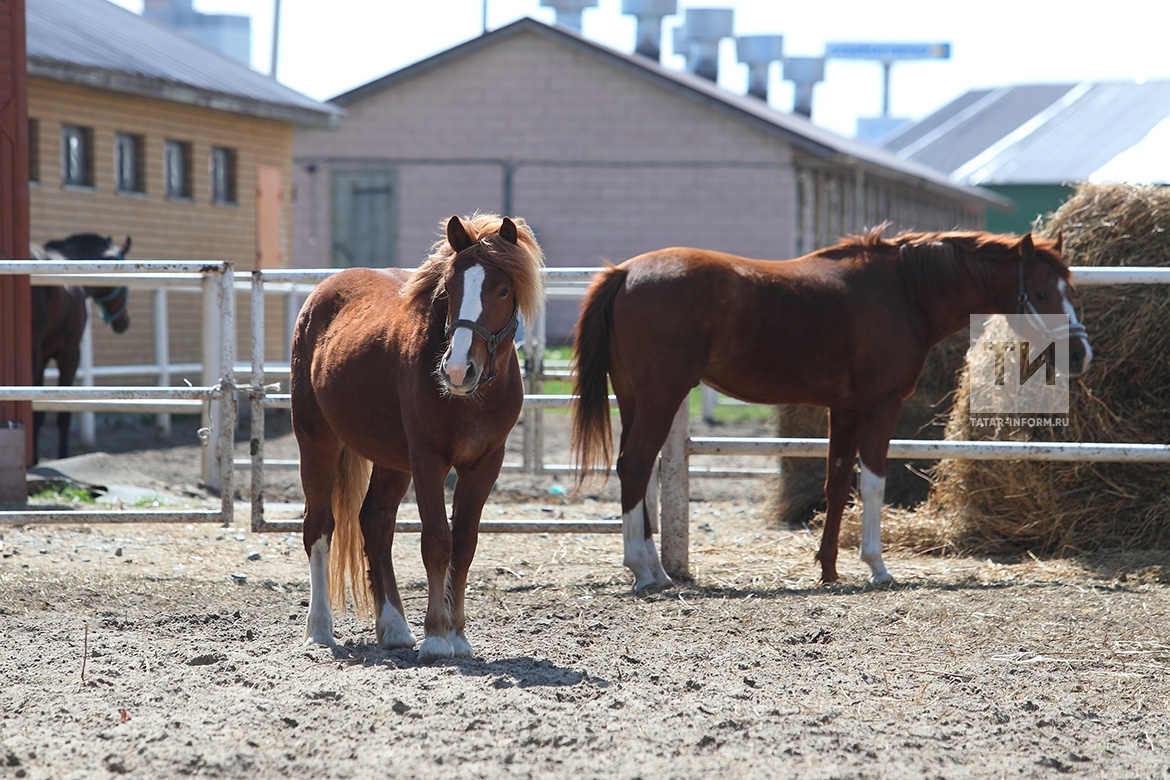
{"x": 1059, "y": 508}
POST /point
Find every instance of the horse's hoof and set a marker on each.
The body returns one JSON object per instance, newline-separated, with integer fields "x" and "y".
{"x": 647, "y": 582}
{"x": 883, "y": 580}
{"x": 435, "y": 648}
{"x": 393, "y": 631}
{"x": 319, "y": 638}
{"x": 461, "y": 647}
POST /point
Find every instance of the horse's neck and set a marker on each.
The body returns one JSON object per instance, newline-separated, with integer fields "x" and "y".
{"x": 950, "y": 286}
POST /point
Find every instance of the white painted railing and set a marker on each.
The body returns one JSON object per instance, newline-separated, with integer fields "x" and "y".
{"x": 565, "y": 283}
{"x": 216, "y": 397}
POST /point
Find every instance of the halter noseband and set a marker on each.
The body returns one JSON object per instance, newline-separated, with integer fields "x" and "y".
{"x": 102, "y": 300}
{"x": 493, "y": 341}
{"x": 1074, "y": 329}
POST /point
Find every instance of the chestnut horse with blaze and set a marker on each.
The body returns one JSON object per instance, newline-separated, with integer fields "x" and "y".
{"x": 398, "y": 376}
{"x": 847, "y": 327}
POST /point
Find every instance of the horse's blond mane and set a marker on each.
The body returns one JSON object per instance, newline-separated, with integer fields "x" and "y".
{"x": 522, "y": 261}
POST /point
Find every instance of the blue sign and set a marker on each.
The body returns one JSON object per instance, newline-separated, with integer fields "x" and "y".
{"x": 888, "y": 51}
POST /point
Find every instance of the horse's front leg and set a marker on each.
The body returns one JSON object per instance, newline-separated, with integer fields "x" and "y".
{"x": 838, "y": 479}
{"x": 471, "y": 492}
{"x": 876, "y": 428}
{"x": 429, "y": 474}
{"x": 67, "y": 364}
{"x": 379, "y": 516}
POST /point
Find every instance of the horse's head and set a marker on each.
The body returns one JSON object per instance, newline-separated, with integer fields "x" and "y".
{"x": 482, "y": 307}
{"x": 113, "y": 301}
{"x": 1045, "y": 288}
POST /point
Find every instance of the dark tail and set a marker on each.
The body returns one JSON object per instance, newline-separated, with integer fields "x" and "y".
{"x": 592, "y": 436}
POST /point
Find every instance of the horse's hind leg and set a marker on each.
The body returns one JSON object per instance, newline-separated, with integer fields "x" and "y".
{"x": 471, "y": 492}
{"x": 876, "y": 428}
{"x": 378, "y": 517}
{"x": 643, "y": 434}
{"x": 319, "y": 460}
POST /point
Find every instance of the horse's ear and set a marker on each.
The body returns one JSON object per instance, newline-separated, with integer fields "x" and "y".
{"x": 1059, "y": 246}
{"x": 1025, "y": 247}
{"x": 457, "y": 235}
{"x": 508, "y": 231}
{"x": 126, "y": 246}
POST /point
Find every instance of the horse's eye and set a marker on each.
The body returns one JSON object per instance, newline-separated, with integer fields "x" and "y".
{"x": 1041, "y": 296}
{"x": 504, "y": 293}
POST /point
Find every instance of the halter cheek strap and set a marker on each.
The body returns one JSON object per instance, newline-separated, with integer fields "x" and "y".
{"x": 1073, "y": 330}
{"x": 102, "y": 300}
{"x": 493, "y": 341}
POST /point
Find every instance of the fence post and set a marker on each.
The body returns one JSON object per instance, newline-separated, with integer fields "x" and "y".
{"x": 87, "y": 432}
{"x": 256, "y": 442}
{"x": 674, "y": 495}
{"x": 211, "y": 374}
{"x": 162, "y": 357}
{"x": 227, "y": 381}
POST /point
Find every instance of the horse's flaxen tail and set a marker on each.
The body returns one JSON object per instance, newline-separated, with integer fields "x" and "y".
{"x": 347, "y": 555}
{"x": 592, "y": 436}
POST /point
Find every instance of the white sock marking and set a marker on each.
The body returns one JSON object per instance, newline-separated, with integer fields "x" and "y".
{"x": 392, "y": 628}
{"x": 873, "y": 490}
{"x": 319, "y": 626}
{"x": 641, "y": 556}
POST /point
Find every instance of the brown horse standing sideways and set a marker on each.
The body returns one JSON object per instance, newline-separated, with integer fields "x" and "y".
{"x": 415, "y": 374}
{"x": 847, "y": 327}
{"x": 59, "y": 315}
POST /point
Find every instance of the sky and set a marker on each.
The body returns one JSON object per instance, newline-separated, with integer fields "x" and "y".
{"x": 328, "y": 47}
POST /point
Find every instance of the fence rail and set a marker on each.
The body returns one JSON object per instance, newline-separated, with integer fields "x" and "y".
{"x": 568, "y": 283}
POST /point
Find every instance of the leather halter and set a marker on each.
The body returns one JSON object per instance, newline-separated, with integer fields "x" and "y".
{"x": 492, "y": 340}
{"x": 1074, "y": 329}
{"x": 102, "y": 300}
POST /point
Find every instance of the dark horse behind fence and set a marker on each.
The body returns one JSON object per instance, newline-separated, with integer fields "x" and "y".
{"x": 59, "y": 315}
{"x": 847, "y": 327}
{"x": 414, "y": 374}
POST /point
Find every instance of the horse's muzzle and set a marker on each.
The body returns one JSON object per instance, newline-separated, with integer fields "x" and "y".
{"x": 1080, "y": 354}
{"x": 121, "y": 324}
{"x": 460, "y": 380}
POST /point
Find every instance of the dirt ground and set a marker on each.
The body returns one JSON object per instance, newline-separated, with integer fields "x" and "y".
{"x": 171, "y": 651}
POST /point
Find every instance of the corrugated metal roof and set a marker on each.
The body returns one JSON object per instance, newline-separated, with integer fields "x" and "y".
{"x": 96, "y": 43}
{"x": 1035, "y": 134}
{"x": 795, "y": 129}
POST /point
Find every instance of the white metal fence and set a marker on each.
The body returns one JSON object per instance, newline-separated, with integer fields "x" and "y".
{"x": 218, "y": 395}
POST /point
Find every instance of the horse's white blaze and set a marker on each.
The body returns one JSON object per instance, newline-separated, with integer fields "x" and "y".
{"x": 1066, "y": 299}
{"x": 319, "y": 628}
{"x": 392, "y": 628}
{"x": 873, "y": 491}
{"x": 640, "y": 554}
{"x": 469, "y": 309}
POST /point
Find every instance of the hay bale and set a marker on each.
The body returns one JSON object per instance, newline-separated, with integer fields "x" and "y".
{"x": 1055, "y": 508}
{"x": 800, "y": 491}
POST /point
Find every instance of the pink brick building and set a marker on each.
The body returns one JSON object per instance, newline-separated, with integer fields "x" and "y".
{"x": 605, "y": 154}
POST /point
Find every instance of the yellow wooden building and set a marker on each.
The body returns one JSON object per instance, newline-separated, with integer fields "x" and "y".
{"x": 135, "y": 130}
